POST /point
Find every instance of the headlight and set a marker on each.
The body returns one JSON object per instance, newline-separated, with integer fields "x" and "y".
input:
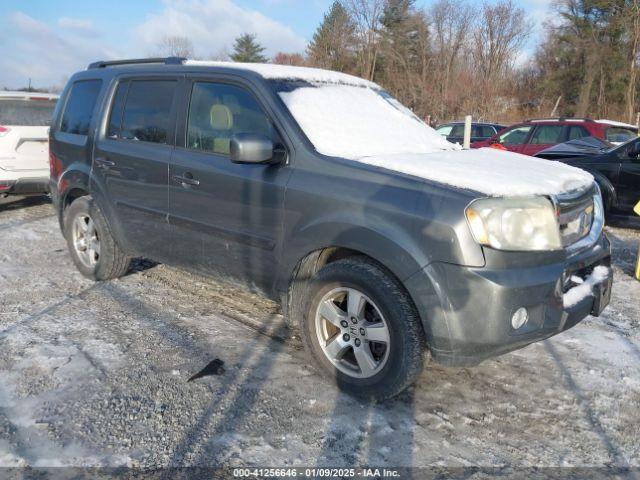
{"x": 514, "y": 223}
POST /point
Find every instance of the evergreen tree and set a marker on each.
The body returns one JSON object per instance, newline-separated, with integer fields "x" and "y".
{"x": 332, "y": 43}
{"x": 246, "y": 49}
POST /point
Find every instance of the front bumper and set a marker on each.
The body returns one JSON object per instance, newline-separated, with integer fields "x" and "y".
{"x": 467, "y": 311}
{"x": 25, "y": 186}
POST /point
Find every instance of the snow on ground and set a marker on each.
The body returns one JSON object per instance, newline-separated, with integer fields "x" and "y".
{"x": 95, "y": 374}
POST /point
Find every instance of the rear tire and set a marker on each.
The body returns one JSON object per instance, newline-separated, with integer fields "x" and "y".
{"x": 362, "y": 329}
{"x": 94, "y": 250}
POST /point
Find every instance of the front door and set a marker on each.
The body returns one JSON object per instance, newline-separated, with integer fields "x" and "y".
{"x": 131, "y": 161}
{"x": 225, "y": 218}
{"x": 629, "y": 178}
{"x": 515, "y": 138}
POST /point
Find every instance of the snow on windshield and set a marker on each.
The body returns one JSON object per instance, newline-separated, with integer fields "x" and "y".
{"x": 356, "y": 121}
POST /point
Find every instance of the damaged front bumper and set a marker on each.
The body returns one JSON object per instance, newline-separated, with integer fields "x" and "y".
{"x": 467, "y": 312}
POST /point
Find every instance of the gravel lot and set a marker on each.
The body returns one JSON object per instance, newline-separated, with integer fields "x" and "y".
{"x": 95, "y": 374}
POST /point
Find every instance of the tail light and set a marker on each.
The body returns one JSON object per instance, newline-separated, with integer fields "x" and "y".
{"x": 4, "y": 130}
{"x": 55, "y": 167}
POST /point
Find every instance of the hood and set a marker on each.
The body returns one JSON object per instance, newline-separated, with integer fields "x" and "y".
{"x": 488, "y": 171}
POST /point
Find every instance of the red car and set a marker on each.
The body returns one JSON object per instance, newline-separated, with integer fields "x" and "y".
{"x": 532, "y": 136}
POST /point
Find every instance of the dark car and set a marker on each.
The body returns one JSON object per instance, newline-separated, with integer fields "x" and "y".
{"x": 615, "y": 168}
{"x": 454, "y": 131}
{"x": 379, "y": 238}
{"x": 533, "y": 136}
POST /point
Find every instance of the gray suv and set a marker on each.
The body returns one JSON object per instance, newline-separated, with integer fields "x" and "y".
{"x": 380, "y": 239}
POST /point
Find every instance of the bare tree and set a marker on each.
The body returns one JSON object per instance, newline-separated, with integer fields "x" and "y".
{"x": 295, "y": 59}
{"x": 451, "y": 30}
{"x": 175, "y": 46}
{"x": 498, "y": 36}
{"x": 631, "y": 18}
{"x": 366, "y": 16}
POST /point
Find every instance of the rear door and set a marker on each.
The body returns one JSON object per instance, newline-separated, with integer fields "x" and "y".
{"x": 131, "y": 160}
{"x": 544, "y": 136}
{"x": 226, "y": 218}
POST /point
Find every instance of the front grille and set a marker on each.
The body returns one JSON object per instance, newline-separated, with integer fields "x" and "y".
{"x": 575, "y": 216}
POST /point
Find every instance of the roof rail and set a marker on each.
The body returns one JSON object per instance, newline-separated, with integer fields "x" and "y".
{"x": 559, "y": 119}
{"x": 136, "y": 61}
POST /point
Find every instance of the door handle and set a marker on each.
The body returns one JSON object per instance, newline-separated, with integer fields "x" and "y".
{"x": 186, "y": 180}
{"x": 104, "y": 163}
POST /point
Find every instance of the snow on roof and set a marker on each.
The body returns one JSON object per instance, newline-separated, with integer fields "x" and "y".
{"x": 288, "y": 72}
{"x": 616, "y": 123}
{"x": 29, "y": 95}
{"x": 488, "y": 170}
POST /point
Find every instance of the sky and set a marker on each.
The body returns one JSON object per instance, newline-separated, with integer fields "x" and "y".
{"x": 46, "y": 41}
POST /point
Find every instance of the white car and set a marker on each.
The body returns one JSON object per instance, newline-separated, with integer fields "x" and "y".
{"x": 24, "y": 141}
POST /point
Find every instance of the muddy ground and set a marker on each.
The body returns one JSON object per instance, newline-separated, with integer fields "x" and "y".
{"x": 96, "y": 374}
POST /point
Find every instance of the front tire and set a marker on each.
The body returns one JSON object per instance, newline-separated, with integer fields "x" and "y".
{"x": 93, "y": 249}
{"x": 362, "y": 329}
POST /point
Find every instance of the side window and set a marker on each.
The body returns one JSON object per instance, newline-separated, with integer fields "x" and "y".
{"x": 576, "y": 132}
{"x": 515, "y": 136}
{"x": 487, "y": 131}
{"x": 115, "y": 117}
{"x": 79, "y": 108}
{"x": 619, "y": 135}
{"x": 457, "y": 131}
{"x": 218, "y": 111}
{"x": 146, "y": 114}
{"x": 545, "y": 134}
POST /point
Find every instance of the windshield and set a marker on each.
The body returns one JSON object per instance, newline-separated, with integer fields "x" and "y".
{"x": 356, "y": 121}
{"x": 31, "y": 113}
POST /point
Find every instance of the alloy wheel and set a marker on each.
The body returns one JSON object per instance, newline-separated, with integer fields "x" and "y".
{"x": 352, "y": 332}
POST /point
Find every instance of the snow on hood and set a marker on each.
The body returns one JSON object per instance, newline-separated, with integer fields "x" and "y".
{"x": 353, "y": 122}
{"x": 489, "y": 171}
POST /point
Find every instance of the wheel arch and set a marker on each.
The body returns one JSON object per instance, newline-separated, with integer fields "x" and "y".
{"x": 311, "y": 261}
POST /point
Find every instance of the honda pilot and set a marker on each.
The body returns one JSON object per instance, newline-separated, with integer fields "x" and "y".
{"x": 381, "y": 240}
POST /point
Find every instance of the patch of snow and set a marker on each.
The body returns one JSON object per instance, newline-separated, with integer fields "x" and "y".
{"x": 353, "y": 122}
{"x": 585, "y": 289}
{"x": 287, "y": 72}
{"x": 490, "y": 171}
{"x": 616, "y": 123}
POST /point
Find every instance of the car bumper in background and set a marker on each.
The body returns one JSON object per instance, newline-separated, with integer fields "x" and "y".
{"x": 467, "y": 312}
{"x": 25, "y": 186}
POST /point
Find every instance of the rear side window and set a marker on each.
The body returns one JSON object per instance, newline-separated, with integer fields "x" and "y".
{"x": 141, "y": 111}
{"x": 487, "y": 131}
{"x": 458, "y": 131}
{"x": 26, "y": 112}
{"x": 115, "y": 117}
{"x": 547, "y": 134}
{"x": 79, "y": 108}
{"x": 576, "y": 132}
{"x": 619, "y": 135}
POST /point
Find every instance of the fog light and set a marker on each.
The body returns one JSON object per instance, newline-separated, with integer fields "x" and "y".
{"x": 519, "y": 318}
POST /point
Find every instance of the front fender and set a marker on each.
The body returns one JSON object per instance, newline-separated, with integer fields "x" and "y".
{"x": 609, "y": 195}
{"x": 392, "y": 247}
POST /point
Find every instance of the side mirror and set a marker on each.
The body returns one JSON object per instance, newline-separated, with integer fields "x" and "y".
{"x": 635, "y": 150}
{"x": 251, "y": 148}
